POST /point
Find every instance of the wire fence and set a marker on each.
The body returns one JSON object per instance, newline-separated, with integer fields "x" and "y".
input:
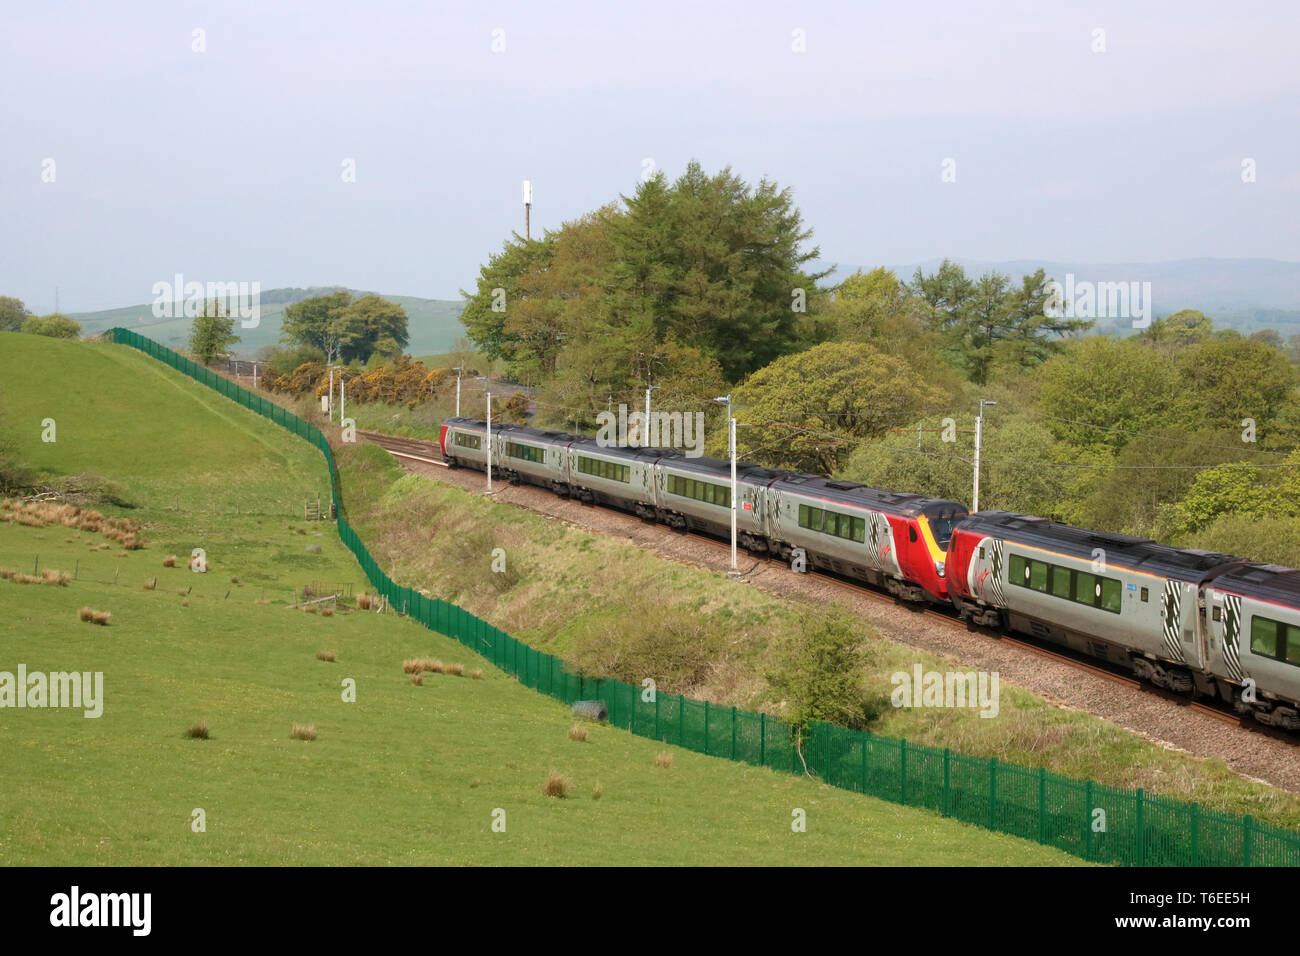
{"x": 1090, "y": 820}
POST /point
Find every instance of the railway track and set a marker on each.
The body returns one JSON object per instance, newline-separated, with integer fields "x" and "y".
{"x": 428, "y": 452}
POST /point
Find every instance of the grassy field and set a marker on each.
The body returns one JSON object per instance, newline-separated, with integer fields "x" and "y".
{"x": 405, "y": 773}
{"x": 618, "y": 611}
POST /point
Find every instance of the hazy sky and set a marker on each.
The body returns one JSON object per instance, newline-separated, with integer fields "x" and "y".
{"x": 227, "y": 164}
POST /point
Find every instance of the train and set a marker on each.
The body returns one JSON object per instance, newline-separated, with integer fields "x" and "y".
{"x": 1195, "y": 622}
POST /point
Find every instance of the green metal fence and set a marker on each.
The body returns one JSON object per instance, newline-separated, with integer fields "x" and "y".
{"x": 1090, "y": 820}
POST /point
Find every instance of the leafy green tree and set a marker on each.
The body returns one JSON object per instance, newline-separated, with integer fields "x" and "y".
{"x": 1223, "y": 491}
{"x": 56, "y": 325}
{"x": 12, "y": 314}
{"x": 1235, "y": 379}
{"x": 810, "y": 407}
{"x": 213, "y": 333}
{"x": 311, "y": 322}
{"x": 818, "y": 671}
{"x": 1121, "y": 386}
{"x": 368, "y": 326}
{"x": 1180, "y": 330}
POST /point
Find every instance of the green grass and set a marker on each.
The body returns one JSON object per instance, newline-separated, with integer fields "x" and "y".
{"x": 405, "y": 774}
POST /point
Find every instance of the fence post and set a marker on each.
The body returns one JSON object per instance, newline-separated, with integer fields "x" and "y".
{"x": 863, "y": 737}
{"x": 706, "y": 728}
{"x": 762, "y": 739}
{"x": 947, "y": 777}
{"x": 902, "y": 763}
{"x": 1247, "y": 834}
{"x": 681, "y": 719}
{"x": 733, "y": 733}
{"x": 993, "y": 792}
{"x": 657, "y": 736}
{"x": 1042, "y": 804}
{"x": 1142, "y": 847}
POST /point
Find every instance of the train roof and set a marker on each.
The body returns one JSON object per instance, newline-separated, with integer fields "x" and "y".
{"x": 856, "y": 493}
{"x": 1269, "y": 582}
{"x": 721, "y": 468}
{"x": 1140, "y": 554}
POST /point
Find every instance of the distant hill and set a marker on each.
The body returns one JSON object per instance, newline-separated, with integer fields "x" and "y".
{"x": 1245, "y": 294}
{"x": 434, "y": 323}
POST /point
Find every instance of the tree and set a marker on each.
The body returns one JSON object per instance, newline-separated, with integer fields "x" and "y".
{"x": 810, "y": 406}
{"x": 370, "y": 325}
{"x": 213, "y": 333}
{"x": 818, "y": 672}
{"x": 1102, "y": 390}
{"x": 1234, "y": 379}
{"x": 1183, "y": 328}
{"x": 56, "y": 325}
{"x": 311, "y": 322}
{"x": 12, "y": 314}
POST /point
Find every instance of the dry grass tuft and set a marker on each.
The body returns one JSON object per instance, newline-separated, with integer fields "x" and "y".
{"x": 556, "y": 785}
{"x": 304, "y": 732}
{"x": 455, "y": 670}
{"x": 85, "y": 614}
{"x": 664, "y": 759}
{"x": 56, "y": 578}
{"x": 101, "y": 617}
{"x": 578, "y": 732}
{"x": 325, "y": 656}
{"x": 199, "y": 731}
{"x": 234, "y": 579}
{"x": 596, "y": 792}
{"x": 417, "y": 679}
{"x": 363, "y": 601}
{"x": 169, "y": 561}
{"x": 476, "y": 673}
{"x": 150, "y": 585}
{"x": 327, "y": 612}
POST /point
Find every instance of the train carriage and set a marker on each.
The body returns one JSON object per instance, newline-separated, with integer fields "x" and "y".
{"x": 1119, "y": 598}
{"x": 893, "y": 540}
{"x": 695, "y": 494}
{"x": 1252, "y": 616}
{"x": 619, "y": 477}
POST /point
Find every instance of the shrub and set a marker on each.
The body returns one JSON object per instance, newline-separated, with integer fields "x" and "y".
{"x": 556, "y": 785}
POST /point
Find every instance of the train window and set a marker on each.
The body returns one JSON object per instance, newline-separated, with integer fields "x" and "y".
{"x": 1038, "y": 575}
{"x": 859, "y": 529}
{"x": 1112, "y": 594}
{"x": 1018, "y": 570}
{"x": 1061, "y": 582}
{"x": 1292, "y": 644}
{"x": 911, "y": 534}
{"x": 468, "y": 441}
{"x": 523, "y": 452}
{"x": 1217, "y": 613}
{"x": 803, "y": 516}
{"x": 981, "y": 554}
{"x": 1145, "y": 594}
{"x": 1086, "y": 589}
{"x": 1263, "y": 636}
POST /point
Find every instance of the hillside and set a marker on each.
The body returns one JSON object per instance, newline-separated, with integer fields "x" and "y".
{"x": 434, "y": 323}
{"x": 405, "y": 774}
